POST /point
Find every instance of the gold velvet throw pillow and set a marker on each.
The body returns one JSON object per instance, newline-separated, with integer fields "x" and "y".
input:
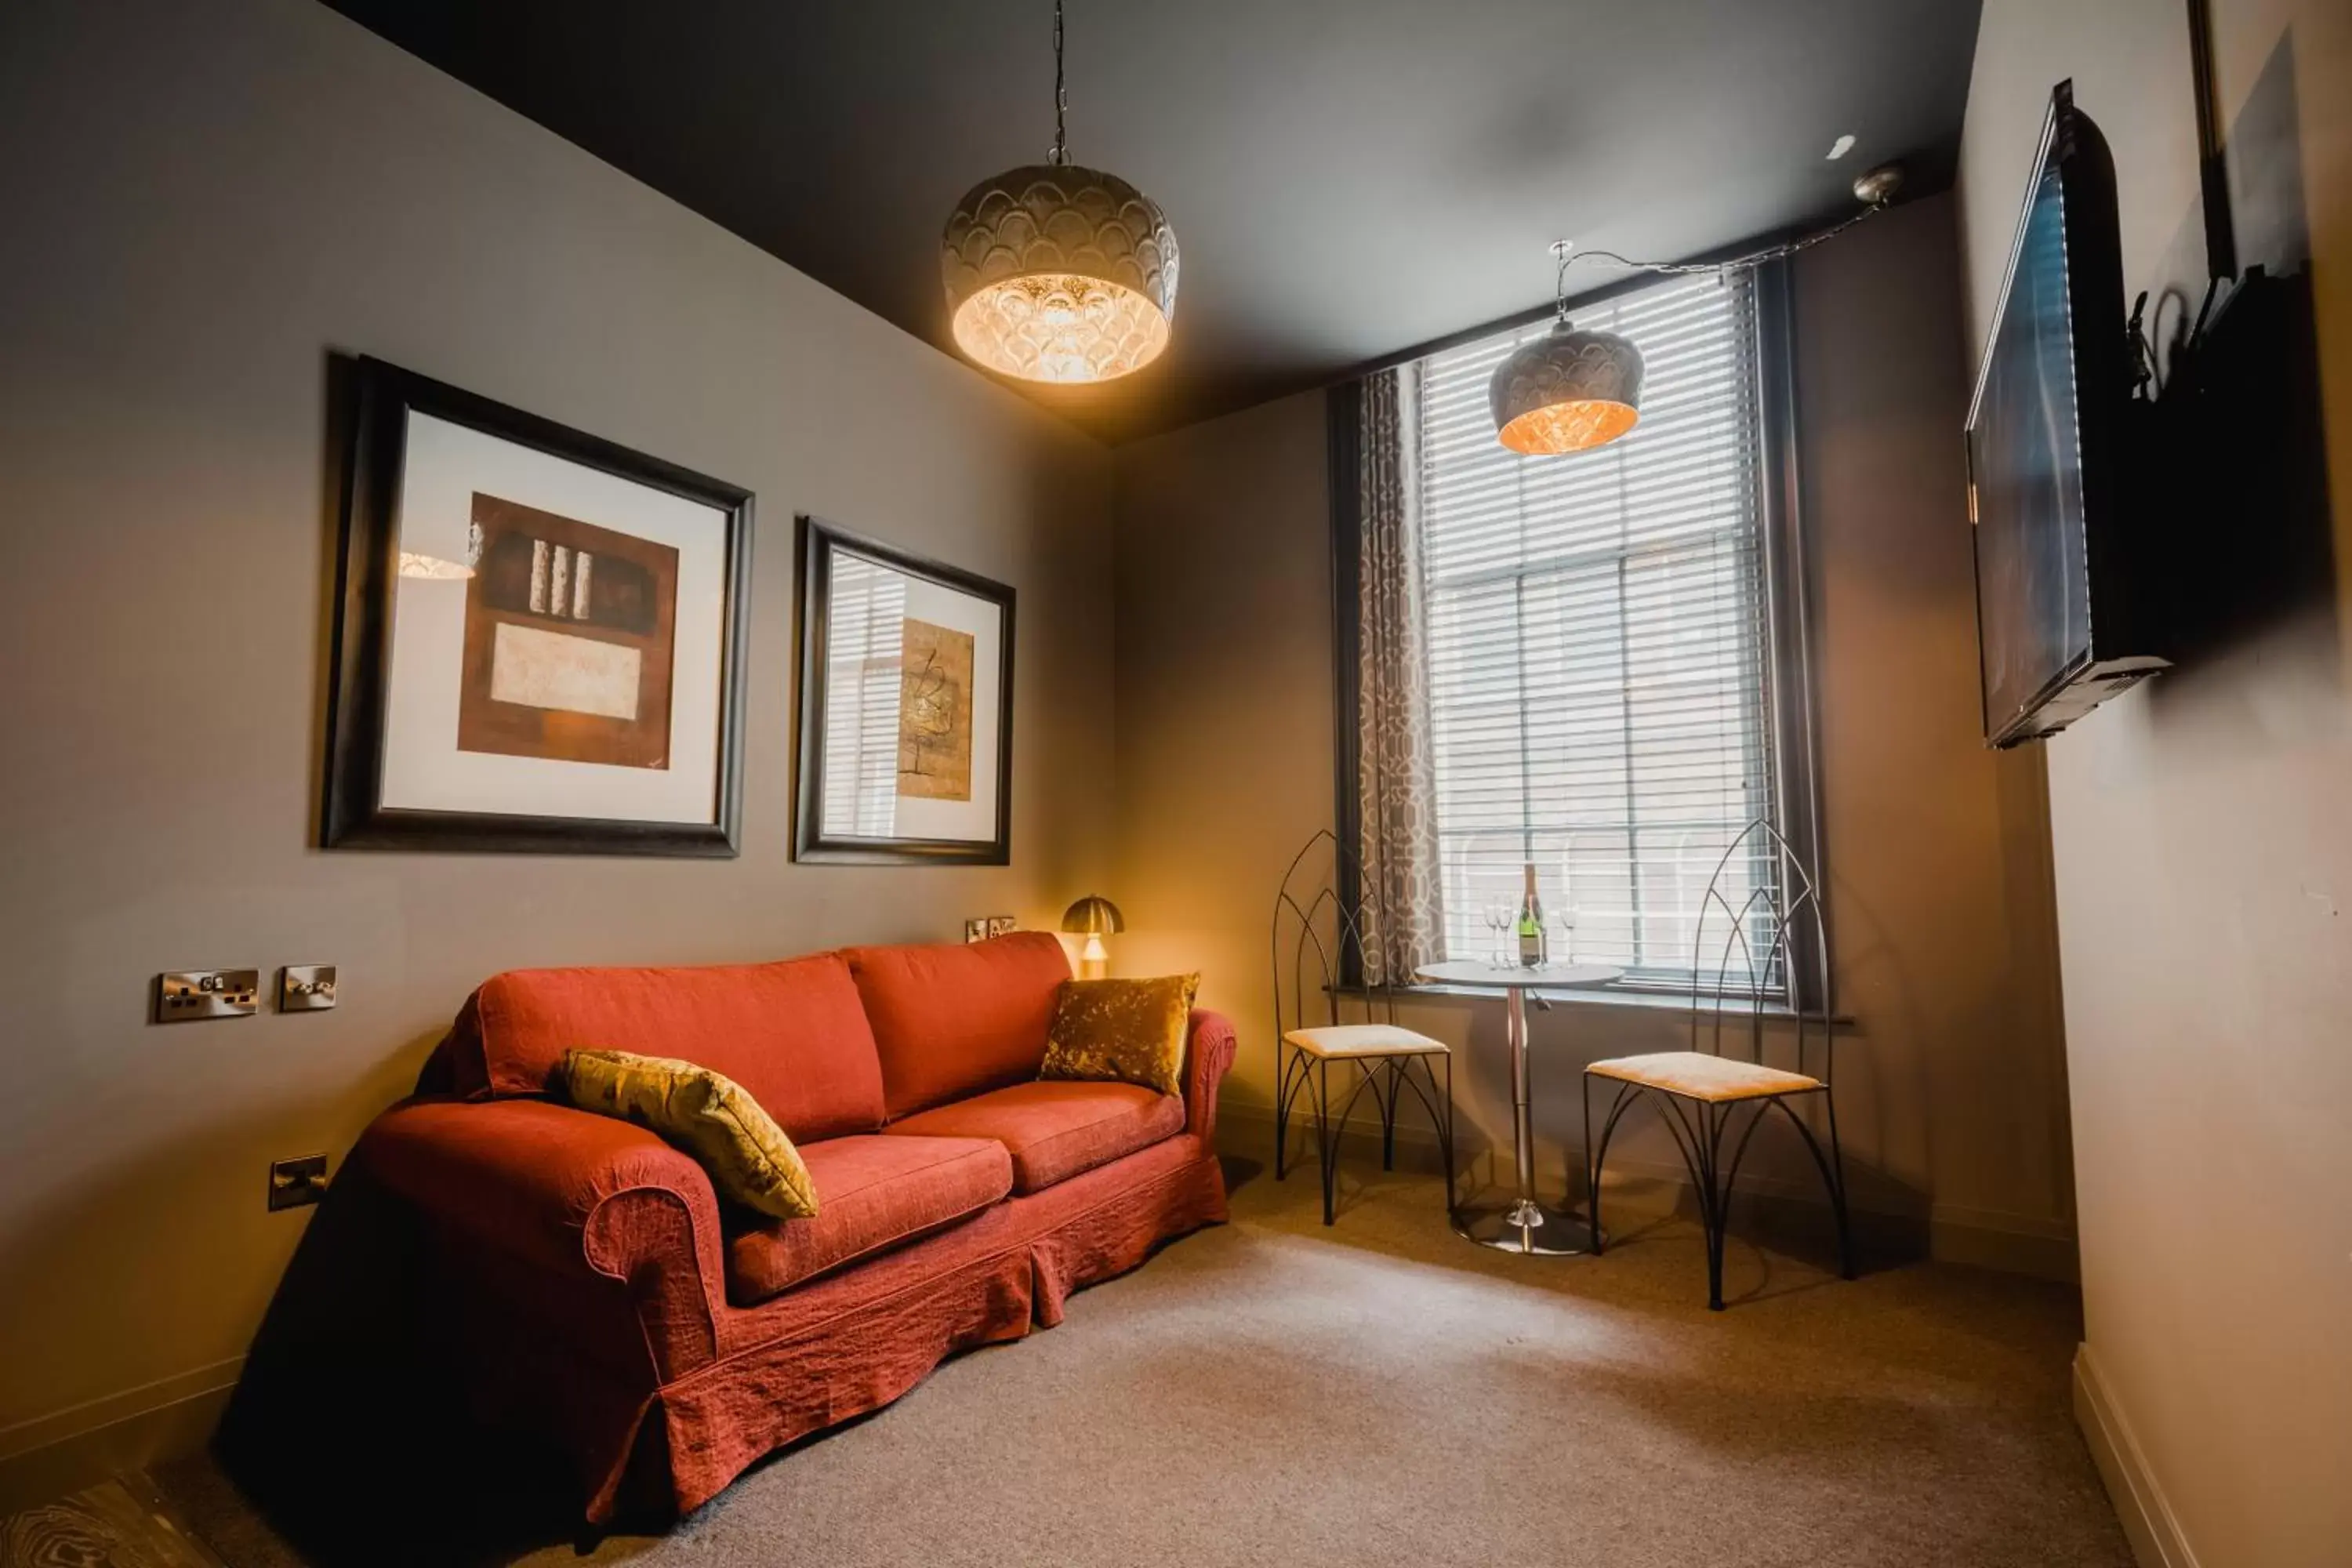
{"x": 1123, "y": 1031}
{"x": 704, "y": 1113}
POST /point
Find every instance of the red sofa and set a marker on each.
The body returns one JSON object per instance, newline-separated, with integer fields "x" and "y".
{"x": 599, "y": 1293}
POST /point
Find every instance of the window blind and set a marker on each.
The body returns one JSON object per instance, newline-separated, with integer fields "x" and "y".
{"x": 865, "y": 630}
{"x": 1599, "y": 679}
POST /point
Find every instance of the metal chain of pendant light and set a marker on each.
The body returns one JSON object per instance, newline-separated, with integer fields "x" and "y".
{"x": 1573, "y": 390}
{"x": 1057, "y": 272}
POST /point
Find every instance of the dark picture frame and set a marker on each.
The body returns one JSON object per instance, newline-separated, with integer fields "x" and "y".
{"x": 820, "y": 543}
{"x": 354, "y": 814}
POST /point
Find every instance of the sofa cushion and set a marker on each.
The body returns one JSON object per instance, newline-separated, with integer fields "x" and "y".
{"x": 955, "y": 1019}
{"x": 1054, "y": 1130}
{"x": 1122, "y": 1031}
{"x": 874, "y": 1193}
{"x": 793, "y": 1034}
{"x": 707, "y": 1114}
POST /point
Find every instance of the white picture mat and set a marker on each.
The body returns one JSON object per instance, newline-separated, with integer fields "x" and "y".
{"x": 444, "y": 465}
{"x": 882, "y": 812}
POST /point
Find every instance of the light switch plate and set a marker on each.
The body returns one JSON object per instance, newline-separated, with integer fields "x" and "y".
{"x": 187, "y": 994}
{"x": 306, "y": 987}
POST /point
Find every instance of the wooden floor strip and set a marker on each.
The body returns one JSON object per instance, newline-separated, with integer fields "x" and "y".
{"x": 121, "y": 1523}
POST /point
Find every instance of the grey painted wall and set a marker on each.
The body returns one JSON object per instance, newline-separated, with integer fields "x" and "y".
{"x": 2203, "y": 850}
{"x": 1952, "y": 1090}
{"x": 197, "y": 203}
{"x": 1224, "y": 702}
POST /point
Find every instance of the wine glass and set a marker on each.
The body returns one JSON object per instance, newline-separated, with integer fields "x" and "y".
{"x": 1495, "y": 916}
{"x": 1565, "y": 917}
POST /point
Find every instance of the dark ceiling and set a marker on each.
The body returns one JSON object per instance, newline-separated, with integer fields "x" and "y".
{"x": 1347, "y": 178}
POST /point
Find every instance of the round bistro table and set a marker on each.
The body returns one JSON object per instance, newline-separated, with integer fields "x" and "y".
{"x": 1523, "y": 1225}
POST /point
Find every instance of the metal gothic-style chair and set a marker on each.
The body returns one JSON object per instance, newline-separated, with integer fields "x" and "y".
{"x": 1316, "y": 917}
{"x": 1700, "y": 1092}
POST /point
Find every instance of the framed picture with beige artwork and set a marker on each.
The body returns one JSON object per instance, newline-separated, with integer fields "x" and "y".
{"x": 906, "y": 706}
{"x": 539, "y": 638}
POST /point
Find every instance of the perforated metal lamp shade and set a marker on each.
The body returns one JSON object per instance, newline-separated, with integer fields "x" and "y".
{"x": 1059, "y": 273}
{"x": 1093, "y": 916}
{"x": 1569, "y": 391}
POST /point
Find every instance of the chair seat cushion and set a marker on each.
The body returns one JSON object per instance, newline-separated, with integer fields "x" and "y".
{"x": 1054, "y": 1128}
{"x": 1364, "y": 1040}
{"x": 1696, "y": 1075}
{"x": 874, "y": 1193}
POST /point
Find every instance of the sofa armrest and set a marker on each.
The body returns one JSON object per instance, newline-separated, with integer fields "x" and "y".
{"x": 1214, "y": 1043}
{"x": 582, "y": 1195}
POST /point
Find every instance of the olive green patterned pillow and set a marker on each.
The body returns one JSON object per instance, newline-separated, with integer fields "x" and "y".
{"x": 1125, "y": 1031}
{"x": 707, "y": 1114}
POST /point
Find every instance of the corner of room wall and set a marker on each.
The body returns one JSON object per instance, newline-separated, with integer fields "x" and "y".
{"x": 1941, "y": 903}
{"x": 1224, "y": 697}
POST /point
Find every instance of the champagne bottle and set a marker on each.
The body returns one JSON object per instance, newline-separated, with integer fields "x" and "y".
{"x": 1531, "y": 924}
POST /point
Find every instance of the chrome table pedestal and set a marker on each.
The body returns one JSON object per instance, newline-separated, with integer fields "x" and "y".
{"x": 1525, "y": 1223}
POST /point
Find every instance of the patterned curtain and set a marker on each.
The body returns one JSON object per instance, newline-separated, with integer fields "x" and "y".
{"x": 1395, "y": 779}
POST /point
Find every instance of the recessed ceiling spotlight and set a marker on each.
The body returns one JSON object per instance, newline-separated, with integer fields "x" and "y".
{"x": 1841, "y": 147}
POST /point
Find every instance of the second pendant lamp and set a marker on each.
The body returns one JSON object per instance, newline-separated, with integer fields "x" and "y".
{"x": 1572, "y": 390}
{"x": 1569, "y": 390}
{"x": 1059, "y": 273}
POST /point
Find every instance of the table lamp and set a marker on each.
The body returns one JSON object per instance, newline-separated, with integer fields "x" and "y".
{"x": 1091, "y": 917}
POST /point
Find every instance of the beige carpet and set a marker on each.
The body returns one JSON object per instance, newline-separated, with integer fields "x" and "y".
{"x": 1274, "y": 1393}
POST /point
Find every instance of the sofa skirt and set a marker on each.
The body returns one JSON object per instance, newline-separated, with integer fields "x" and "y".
{"x": 840, "y": 1346}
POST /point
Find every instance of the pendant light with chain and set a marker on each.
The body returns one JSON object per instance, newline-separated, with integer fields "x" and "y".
{"x": 1573, "y": 390}
{"x": 1056, "y": 272}
{"x": 1569, "y": 390}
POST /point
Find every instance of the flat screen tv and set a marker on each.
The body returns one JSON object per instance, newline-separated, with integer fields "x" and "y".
{"x": 2060, "y": 623}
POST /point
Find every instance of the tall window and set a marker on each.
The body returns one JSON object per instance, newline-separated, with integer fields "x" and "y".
{"x": 1599, "y": 631}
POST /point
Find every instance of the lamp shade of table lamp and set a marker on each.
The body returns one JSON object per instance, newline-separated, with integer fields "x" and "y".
{"x": 1092, "y": 917}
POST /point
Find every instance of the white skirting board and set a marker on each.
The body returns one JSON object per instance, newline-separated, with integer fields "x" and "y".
{"x": 2148, "y": 1524}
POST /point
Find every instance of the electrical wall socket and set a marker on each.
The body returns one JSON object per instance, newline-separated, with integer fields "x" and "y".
{"x": 190, "y": 993}
{"x": 297, "y": 1182}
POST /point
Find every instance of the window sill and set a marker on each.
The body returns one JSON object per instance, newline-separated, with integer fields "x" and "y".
{"x": 1653, "y": 1000}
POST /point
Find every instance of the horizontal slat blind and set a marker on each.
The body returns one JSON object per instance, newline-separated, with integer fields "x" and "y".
{"x": 1597, "y": 651}
{"x": 865, "y": 630}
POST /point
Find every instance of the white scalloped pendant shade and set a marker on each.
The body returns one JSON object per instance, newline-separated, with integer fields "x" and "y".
{"x": 1569, "y": 391}
{"x": 1059, "y": 273}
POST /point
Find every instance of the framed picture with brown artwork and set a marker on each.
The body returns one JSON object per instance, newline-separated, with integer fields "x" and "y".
{"x": 906, "y": 706}
{"x": 538, "y": 635}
